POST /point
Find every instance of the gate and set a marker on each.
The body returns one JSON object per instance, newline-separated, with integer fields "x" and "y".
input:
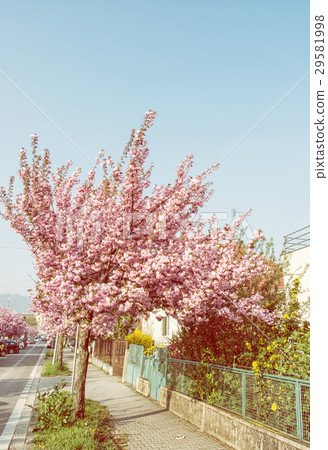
{"x": 118, "y": 353}
{"x": 152, "y": 368}
{"x": 134, "y": 365}
{"x": 158, "y": 373}
{"x": 103, "y": 349}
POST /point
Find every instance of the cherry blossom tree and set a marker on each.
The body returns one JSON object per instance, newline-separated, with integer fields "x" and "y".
{"x": 226, "y": 338}
{"x": 32, "y": 332}
{"x": 109, "y": 250}
{"x": 11, "y": 324}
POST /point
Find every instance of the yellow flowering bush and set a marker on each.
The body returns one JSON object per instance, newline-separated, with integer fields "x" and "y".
{"x": 287, "y": 354}
{"x": 138, "y": 338}
{"x": 150, "y": 350}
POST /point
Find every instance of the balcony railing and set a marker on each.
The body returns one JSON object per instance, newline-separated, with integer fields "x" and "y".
{"x": 297, "y": 240}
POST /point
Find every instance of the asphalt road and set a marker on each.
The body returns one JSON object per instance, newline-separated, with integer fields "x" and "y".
{"x": 15, "y": 371}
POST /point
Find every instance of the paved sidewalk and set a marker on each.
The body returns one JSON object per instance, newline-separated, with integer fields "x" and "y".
{"x": 147, "y": 425}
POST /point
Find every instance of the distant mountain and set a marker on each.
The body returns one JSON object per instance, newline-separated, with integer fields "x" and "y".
{"x": 17, "y": 302}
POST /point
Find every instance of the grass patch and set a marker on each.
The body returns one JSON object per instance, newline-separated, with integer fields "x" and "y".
{"x": 53, "y": 370}
{"x": 94, "y": 432}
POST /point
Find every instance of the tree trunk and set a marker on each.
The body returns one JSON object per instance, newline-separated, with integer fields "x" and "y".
{"x": 81, "y": 374}
{"x": 59, "y": 350}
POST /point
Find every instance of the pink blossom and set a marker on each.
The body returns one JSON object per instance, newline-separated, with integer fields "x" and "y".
{"x": 258, "y": 235}
{"x": 93, "y": 269}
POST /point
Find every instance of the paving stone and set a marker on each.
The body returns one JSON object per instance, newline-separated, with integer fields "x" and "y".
{"x": 145, "y": 423}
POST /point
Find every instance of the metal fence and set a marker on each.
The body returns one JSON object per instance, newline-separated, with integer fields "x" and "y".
{"x": 103, "y": 349}
{"x": 152, "y": 368}
{"x": 112, "y": 352}
{"x": 284, "y": 404}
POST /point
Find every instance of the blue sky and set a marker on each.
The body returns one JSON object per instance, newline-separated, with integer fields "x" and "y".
{"x": 210, "y": 69}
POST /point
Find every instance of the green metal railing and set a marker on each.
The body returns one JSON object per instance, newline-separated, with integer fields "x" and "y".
{"x": 284, "y": 405}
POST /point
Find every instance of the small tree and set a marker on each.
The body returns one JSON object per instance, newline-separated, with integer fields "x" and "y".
{"x": 109, "y": 251}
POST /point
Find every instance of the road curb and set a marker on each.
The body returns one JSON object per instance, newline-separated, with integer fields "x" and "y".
{"x": 23, "y": 435}
{"x": 43, "y": 385}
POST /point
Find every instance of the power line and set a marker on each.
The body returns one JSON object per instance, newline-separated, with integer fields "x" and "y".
{"x": 16, "y": 248}
{"x": 48, "y": 118}
{"x": 264, "y": 116}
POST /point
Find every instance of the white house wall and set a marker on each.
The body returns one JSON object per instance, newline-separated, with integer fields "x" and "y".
{"x": 298, "y": 260}
{"x": 154, "y": 327}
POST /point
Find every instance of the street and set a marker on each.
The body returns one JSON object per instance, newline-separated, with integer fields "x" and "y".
{"x": 16, "y": 376}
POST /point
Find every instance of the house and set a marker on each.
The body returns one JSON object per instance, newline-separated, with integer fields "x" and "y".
{"x": 160, "y": 330}
{"x": 296, "y": 260}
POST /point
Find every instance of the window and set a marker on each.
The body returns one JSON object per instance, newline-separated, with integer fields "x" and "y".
{"x": 165, "y": 326}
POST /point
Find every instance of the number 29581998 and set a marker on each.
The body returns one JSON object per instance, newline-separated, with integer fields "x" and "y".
{"x": 319, "y": 45}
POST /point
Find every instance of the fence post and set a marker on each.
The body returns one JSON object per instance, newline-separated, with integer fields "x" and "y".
{"x": 165, "y": 370}
{"x": 142, "y": 364}
{"x": 298, "y": 403}
{"x": 243, "y": 394}
{"x": 183, "y": 377}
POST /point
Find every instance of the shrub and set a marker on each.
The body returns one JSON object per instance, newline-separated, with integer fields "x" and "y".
{"x": 55, "y": 408}
{"x": 151, "y": 350}
{"x": 288, "y": 353}
{"x": 224, "y": 338}
{"x": 202, "y": 379}
{"x": 138, "y": 338}
{"x": 94, "y": 432}
{"x": 49, "y": 353}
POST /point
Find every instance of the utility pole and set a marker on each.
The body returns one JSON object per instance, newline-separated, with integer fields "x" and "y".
{"x": 75, "y": 354}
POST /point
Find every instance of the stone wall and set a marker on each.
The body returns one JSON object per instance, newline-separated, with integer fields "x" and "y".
{"x": 231, "y": 429}
{"x": 143, "y": 386}
{"x": 101, "y": 364}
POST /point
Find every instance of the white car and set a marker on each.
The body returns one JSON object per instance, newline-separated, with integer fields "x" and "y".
{"x": 21, "y": 345}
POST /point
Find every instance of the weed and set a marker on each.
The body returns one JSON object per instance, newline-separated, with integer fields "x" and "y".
{"x": 94, "y": 432}
{"x": 55, "y": 408}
